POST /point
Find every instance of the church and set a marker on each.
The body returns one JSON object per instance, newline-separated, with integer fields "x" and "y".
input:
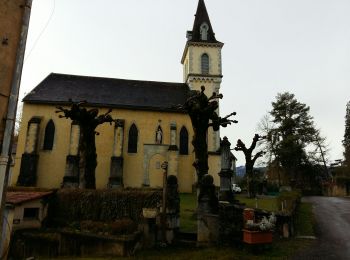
{"x": 148, "y": 131}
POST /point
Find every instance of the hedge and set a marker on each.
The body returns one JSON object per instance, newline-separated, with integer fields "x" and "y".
{"x": 75, "y": 205}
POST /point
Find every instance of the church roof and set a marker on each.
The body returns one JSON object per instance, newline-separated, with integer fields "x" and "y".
{"x": 57, "y": 89}
{"x": 202, "y": 17}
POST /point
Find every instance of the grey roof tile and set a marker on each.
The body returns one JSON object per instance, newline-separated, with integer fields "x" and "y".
{"x": 109, "y": 92}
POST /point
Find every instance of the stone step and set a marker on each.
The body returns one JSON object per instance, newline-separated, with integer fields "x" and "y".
{"x": 186, "y": 243}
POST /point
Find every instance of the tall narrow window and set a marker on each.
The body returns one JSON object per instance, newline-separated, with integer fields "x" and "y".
{"x": 49, "y": 135}
{"x": 205, "y": 63}
{"x": 133, "y": 136}
{"x": 183, "y": 141}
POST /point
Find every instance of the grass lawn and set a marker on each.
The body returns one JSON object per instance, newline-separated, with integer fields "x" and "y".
{"x": 188, "y": 218}
{"x": 269, "y": 204}
{"x": 278, "y": 250}
{"x": 304, "y": 220}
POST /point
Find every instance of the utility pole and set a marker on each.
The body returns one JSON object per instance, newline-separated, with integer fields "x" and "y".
{"x": 164, "y": 204}
{"x": 18, "y": 13}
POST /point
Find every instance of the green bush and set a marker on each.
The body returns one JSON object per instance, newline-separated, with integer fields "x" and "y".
{"x": 272, "y": 188}
{"x": 290, "y": 199}
{"x": 76, "y": 205}
{"x": 117, "y": 227}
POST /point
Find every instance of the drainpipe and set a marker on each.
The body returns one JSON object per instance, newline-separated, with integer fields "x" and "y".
{"x": 12, "y": 109}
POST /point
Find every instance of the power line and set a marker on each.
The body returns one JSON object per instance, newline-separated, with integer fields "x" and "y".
{"x": 42, "y": 31}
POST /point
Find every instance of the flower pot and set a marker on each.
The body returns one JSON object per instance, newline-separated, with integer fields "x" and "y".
{"x": 257, "y": 237}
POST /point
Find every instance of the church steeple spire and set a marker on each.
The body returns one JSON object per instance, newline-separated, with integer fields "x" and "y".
{"x": 202, "y": 29}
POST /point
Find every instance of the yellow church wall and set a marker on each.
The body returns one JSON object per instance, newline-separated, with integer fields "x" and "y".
{"x": 195, "y": 53}
{"x": 186, "y": 64}
{"x": 51, "y": 164}
{"x": 186, "y": 173}
{"x": 214, "y": 162}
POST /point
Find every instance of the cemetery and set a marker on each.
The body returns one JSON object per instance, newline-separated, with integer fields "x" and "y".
{"x": 110, "y": 168}
{"x": 85, "y": 222}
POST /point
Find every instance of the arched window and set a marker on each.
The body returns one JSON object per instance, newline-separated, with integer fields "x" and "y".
{"x": 49, "y": 135}
{"x": 204, "y": 31}
{"x": 132, "y": 142}
{"x": 205, "y": 63}
{"x": 183, "y": 141}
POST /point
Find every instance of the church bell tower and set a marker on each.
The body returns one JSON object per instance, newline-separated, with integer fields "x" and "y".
{"x": 201, "y": 62}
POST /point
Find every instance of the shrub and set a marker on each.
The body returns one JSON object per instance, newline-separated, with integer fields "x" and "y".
{"x": 76, "y": 205}
{"x": 117, "y": 227}
{"x": 290, "y": 199}
{"x": 272, "y": 188}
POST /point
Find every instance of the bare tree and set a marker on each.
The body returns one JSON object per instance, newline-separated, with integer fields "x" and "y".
{"x": 318, "y": 153}
{"x": 265, "y": 127}
{"x": 88, "y": 120}
{"x": 250, "y": 160}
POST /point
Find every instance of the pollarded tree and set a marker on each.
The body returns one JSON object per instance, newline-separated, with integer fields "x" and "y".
{"x": 250, "y": 161}
{"x": 294, "y": 130}
{"x": 346, "y": 141}
{"x": 87, "y": 120}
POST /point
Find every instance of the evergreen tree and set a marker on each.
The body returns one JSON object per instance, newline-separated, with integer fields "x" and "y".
{"x": 293, "y": 131}
{"x": 346, "y": 141}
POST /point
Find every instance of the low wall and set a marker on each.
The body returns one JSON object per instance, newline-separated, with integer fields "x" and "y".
{"x": 231, "y": 223}
{"x": 67, "y": 243}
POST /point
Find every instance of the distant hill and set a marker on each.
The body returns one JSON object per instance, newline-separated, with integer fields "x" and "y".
{"x": 240, "y": 170}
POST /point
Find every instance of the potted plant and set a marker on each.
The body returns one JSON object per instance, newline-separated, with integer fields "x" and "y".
{"x": 259, "y": 232}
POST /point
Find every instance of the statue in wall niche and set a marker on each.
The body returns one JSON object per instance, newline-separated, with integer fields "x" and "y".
{"x": 159, "y": 135}
{"x": 88, "y": 120}
{"x": 201, "y": 110}
{"x": 250, "y": 161}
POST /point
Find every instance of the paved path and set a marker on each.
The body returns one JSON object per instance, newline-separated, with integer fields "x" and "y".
{"x": 332, "y": 229}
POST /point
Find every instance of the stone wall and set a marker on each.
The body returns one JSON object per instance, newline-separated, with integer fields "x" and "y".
{"x": 50, "y": 245}
{"x": 231, "y": 223}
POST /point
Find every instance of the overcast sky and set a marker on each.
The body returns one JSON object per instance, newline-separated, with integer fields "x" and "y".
{"x": 271, "y": 46}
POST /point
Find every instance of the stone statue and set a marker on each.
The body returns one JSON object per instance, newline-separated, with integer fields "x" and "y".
{"x": 87, "y": 120}
{"x": 159, "y": 136}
